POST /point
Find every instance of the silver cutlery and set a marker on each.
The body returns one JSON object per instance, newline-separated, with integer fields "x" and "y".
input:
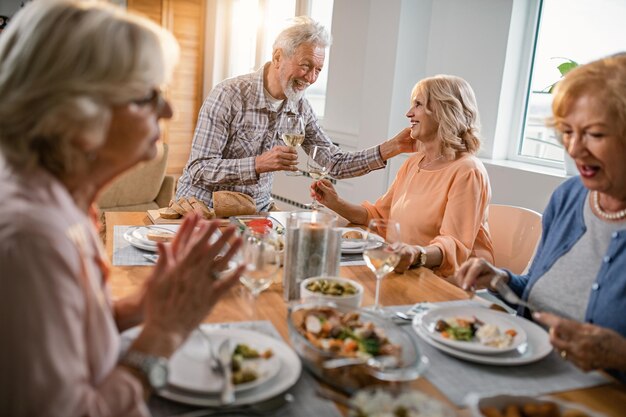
{"x": 508, "y": 294}
{"x": 151, "y": 257}
{"x": 224, "y": 356}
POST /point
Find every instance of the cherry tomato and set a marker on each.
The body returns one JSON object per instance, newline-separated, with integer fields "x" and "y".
{"x": 260, "y": 225}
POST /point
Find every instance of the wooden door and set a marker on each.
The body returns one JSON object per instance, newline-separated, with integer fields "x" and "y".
{"x": 186, "y": 20}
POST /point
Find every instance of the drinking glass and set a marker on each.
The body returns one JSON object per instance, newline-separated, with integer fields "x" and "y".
{"x": 291, "y": 129}
{"x": 317, "y": 169}
{"x": 260, "y": 253}
{"x": 382, "y": 252}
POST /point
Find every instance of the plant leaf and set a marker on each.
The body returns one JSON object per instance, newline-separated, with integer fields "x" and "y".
{"x": 565, "y": 67}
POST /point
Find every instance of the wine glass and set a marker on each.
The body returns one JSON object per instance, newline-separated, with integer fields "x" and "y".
{"x": 382, "y": 251}
{"x": 291, "y": 129}
{"x": 317, "y": 168}
{"x": 260, "y": 255}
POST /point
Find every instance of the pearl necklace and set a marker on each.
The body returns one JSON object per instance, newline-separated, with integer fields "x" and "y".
{"x": 618, "y": 215}
{"x": 427, "y": 164}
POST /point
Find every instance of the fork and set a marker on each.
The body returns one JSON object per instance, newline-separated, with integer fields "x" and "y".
{"x": 508, "y": 294}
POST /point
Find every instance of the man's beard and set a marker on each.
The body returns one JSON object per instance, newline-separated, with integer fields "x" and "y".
{"x": 293, "y": 94}
{"x": 288, "y": 89}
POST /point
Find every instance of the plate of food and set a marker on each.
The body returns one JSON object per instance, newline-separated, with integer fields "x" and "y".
{"x": 518, "y": 405}
{"x": 536, "y": 347}
{"x": 254, "y": 361}
{"x": 353, "y": 239}
{"x": 258, "y": 222}
{"x": 146, "y": 237}
{"x": 289, "y": 369}
{"x": 473, "y": 329}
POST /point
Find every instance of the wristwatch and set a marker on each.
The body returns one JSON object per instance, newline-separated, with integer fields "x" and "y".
{"x": 421, "y": 258}
{"x": 154, "y": 368}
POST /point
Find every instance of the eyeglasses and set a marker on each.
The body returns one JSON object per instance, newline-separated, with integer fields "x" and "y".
{"x": 154, "y": 99}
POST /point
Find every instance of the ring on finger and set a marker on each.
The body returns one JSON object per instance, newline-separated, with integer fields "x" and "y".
{"x": 563, "y": 354}
{"x": 214, "y": 274}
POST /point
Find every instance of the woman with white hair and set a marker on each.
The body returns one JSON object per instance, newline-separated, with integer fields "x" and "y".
{"x": 81, "y": 102}
{"x": 441, "y": 193}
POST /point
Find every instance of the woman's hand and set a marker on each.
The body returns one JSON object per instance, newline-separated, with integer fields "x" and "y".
{"x": 477, "y": 273}
{"x": 183, "y": 288}
{"x": 324, "y": 192}
{"x": 586, "y": 345}
{"x": 408, "y": 256}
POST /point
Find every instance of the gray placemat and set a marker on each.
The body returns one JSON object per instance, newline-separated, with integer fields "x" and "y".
{"x": 352, "y": 259}
{"x": 455, "y": 378}
{"x": 124, "y": 254}
{"x": 303, "y": 401}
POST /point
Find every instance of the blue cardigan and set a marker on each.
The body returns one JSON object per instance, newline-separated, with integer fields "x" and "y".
{"x": 563, "y": 225}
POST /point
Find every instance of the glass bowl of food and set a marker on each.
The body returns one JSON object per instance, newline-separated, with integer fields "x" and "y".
{"x": 379, "y": 402}
{"x": 341, "y": 291}
{"x": 350, "y": 348}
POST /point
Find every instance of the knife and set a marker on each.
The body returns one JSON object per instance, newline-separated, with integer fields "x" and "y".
{"x": 224, "y": 355}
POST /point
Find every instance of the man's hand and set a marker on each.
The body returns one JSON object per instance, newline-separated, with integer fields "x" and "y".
{"x": 279, "y": 158}
{"x": 400, "y": 143}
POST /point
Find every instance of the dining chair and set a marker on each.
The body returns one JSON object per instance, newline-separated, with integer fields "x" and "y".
{"x": 145, "y": 187}
{"x": 515, "y": 233}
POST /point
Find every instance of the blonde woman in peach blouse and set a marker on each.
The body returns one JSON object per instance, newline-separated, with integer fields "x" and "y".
{"x": 441, "y": 193}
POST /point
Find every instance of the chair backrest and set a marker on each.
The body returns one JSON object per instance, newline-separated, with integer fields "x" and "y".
{"x": 138, "y": 187}
{"x": 515, "y": 233}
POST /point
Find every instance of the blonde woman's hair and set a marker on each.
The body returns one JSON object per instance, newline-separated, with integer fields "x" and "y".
{"x": 302, "y": 30}
{"x": 604, "y": 78}
{"x": 451, "y": 102}
{"x": 63, "y": 65}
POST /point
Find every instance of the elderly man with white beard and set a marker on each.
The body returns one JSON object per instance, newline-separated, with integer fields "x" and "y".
{"x": 236, "y": 144}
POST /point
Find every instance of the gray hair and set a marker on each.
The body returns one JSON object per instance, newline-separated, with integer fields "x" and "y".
{"x": 63, "y": 65}
{"x": 302, "y": 30}
{"x": 451, "y": 102}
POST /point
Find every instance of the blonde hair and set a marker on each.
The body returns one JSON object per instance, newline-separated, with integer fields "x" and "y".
{"x": 605, "y": 78}
{"x": 302, "y": 30}
{"x": 63, "y": 65}
{"x": 451, "y": 102}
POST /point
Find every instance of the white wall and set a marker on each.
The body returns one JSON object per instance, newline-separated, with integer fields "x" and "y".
{"x": 381, "y": 48}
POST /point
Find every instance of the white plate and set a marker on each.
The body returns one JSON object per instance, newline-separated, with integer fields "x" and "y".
{"x": 128, "y": 236}
{"x": 352, "y": 246}
{"x": 290, "y": 369}
{"x": 502, "y": 320}
{"x": 536, "y": 347}
{"x": 190, "y": 366}
{"x": 141, "y": 232}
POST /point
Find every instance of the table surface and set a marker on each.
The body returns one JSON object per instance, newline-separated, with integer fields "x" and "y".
{"x": 415, "y": 286}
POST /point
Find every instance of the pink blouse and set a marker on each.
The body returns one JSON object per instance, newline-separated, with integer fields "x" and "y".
{"x": 60, "y": 343}
{"x": 446, "y": 207}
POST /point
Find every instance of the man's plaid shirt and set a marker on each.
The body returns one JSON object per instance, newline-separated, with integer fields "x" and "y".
{"x": 235, "y": 125}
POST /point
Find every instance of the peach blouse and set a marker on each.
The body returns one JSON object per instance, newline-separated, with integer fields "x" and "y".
{"x": 445, "y": 207}
{"x": 60, "y": 343}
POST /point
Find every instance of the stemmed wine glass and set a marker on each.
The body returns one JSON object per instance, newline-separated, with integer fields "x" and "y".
{"x": 317, "y": 168}
{"x": 291, "y": 129}
{"x": 382, "y": 251}
{"x": 260, "y": 255}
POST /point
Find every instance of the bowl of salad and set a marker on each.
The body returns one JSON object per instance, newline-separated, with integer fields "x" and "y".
{"x": 341, "y": 291}
{"x": 372, "y": 350}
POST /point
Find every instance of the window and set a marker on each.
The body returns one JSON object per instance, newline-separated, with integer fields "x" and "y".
{"x": 576, "y": 30}
{"x": 249, "y": 35}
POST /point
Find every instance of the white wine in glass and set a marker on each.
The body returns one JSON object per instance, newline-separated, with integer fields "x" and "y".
{"x": 381, "y": 252}
{"x": 317, "y": 168}
{"x": 291, "y": 129}
{"x": 260, "y": 255}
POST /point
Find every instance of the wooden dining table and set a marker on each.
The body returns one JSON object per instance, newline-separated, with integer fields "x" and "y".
{"x": 416, "y": 285}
